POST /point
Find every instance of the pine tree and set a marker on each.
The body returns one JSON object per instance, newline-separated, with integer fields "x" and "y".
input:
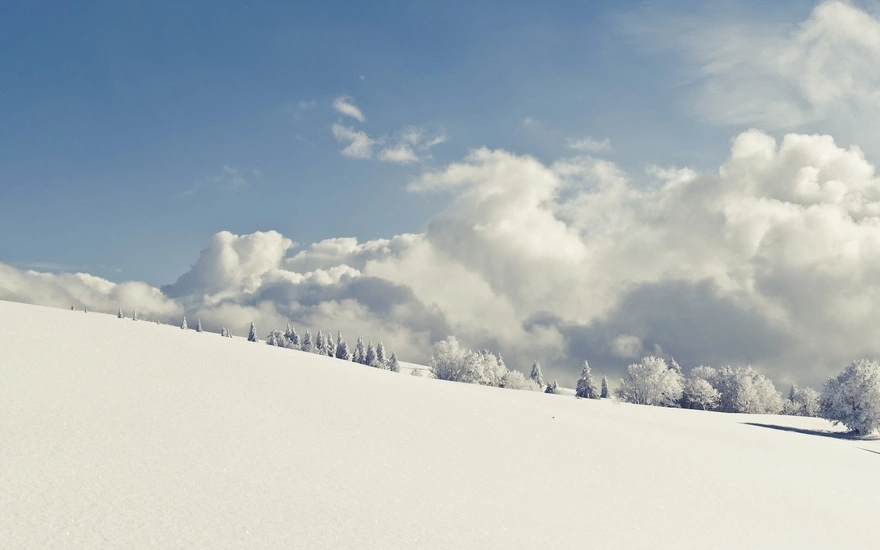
{"x": 553, "y": 387}
{"x": 380, "y": 356}
{"x": 198, "y": 325}
{"x": 329, "y": 346}
{"x": 394, "y": 364}
{"x": 307, "y": 342}
{"x": 359, "y": 351}
{"x": 319, "y": 343}
{"x": 183, "y": 325}
{"x": 293, "y": 338}
{"x": 370, "y": 357}
{"x": 252, "y": 335}
{"x": 604, "y": 394}
{"x": 224, "y": 332}
{"x": 537, "y": 376}
{"x": 342, "y": 351}
{"x": 585, "y": 386}
{"x": 120, "y": 315}
{"x": 288, "y": 334}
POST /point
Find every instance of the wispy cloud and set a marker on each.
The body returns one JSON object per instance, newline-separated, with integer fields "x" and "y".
{"x": 590, "y": 145}
{"x": 359, "y": 144}
{"x": 530, "y": 121}
{"x": 345, "y": 106}
{"x": 400, "y": 154}
{"x": 229, "y": 178}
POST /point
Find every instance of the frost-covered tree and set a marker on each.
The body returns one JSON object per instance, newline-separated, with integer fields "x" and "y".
{"x": 585, "y": 386}
{"x": 342, "y": 351}
{"x": 120, "y": 315}
{"x": 744, "y": 390}
{"x": 198, "y": 325}
{"x": 276, "y": 338}
{"x": 252, "y": 334}
{"x": 370, "y": 356}
{"x": 381, "y": 358}
{"x": 451, "y": 361}
{"x": 360, "y": 352}
{"x": 292, "y": 337}
{"x": 223, "y": 332}
{"x": 134, "y": 315}
{"x": 698, "y": 393}
{"x": 537, "y": 376}
{"x": 852, "y": 398}
{"x": 552, "y": 387}
{"x": 319, "y": 343}
{"x": 393, "y": 363}
{"x": 307, "y": 344}
{"x": 515, "y": 380}
{"x": 329, "y": 346}
{"x": 183, "y": 324}
{"x": 802, "y": 402}
{"x": 651, "y": 382}
{"x": 604, "y": 391}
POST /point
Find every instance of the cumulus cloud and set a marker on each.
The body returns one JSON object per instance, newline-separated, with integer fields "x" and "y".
{"x": 358, "y": 144}
{"x": 345, "y": 106}
{"x": 770, "y": 260}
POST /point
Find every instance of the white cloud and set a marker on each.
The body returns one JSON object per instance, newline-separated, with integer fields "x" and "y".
{"x": 590, "y": 145}
{"x": 344, "y": 106}
{"x": 307, "y": 105}
{"x": 771, "y": 260}
{"x": 823, "y": 70}
{"x": 359, "y": 144}
{"x": 399, "y": 154}
{"x": 530, "y": 122}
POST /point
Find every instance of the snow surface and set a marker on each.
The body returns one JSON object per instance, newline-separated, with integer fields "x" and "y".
{"x": 125, "y": 434}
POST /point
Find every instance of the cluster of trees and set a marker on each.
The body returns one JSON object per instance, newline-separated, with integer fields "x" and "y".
{"x": 451, "y": 361}
{"x": 323, "y": 344}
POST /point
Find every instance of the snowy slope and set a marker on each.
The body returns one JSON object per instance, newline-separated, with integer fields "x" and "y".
{"x": 125, "y": 434}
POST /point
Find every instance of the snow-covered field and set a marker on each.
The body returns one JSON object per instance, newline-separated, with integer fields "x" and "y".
{"x": 122, "y": 434}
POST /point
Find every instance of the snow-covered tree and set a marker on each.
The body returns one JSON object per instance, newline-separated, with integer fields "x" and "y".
{"x": 134, "y": 315}
{"x": 450, "y": 361}
{"x": 223, "y": 332}
{"x": 393, "y": 363}
{"x": 120, "y": 315}
{"x": 552, "y": 387}
{"x": 381, "y": 358}
{"x": 698, "y": 393}
{"x": 537, "y": 376}
{"x": 342, "y": 351}
{"x": 360, "y": 352}
{"x": 370, "y": 356}
{"x": 329, "y": 345}
{"x": 276, "y": 338}
{"x": 86, "y": 309}
{"x": 198, "y": 325}
{"x": 292, "y": 337}
{"x": 252, "y": 335}
{"x": 651, "y": 382}
{"x": 515, "y": 380}
{"x": 319, "y": 343}
{"x": 585, "y": 386}
{"x": 744, "y": 390}
{"x": 604, "y": 391}
{"x": 852, "y": 398}
{"x": 802, "y": 402}
{"x": 307, "y": 344}
{"x": 183, "y": 324}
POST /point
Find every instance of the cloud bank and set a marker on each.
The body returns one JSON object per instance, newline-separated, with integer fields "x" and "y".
{"x": 771, "y": 260}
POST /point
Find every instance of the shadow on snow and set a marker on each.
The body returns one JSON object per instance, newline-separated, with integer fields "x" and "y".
{"x": 823, "y": 433}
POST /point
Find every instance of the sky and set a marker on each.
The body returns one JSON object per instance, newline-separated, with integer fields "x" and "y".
{"x": 557, "y": 181}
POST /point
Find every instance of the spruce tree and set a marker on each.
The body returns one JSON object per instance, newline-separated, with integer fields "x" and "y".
{"x": 537, "y": 376}
{"x": 342, "y": 351}
{"x": 252, "y": 335}
{"x": 393, "y": 363}
{"x": 329, "y": 346}
{"x": 223, "y": 332}
{"x": 553, "y": 387}
{"x": 359, "y": 351}
{"x": 604, "y": 393}
{"x": 294, "y": 338}
{"x": 585, "y": 386}
{"x": 380, "y": 355}
{"x": 306, "y": 342}
{"x": 370, "y": 357}
{"x": 120, "y": 315}
{"x": 198, "y": 325}
{"x": 319, "y": 343}
{"x": 183, "y": 324}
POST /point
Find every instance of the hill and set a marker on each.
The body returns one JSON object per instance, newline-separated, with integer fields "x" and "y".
{"x": 116, "y": 433}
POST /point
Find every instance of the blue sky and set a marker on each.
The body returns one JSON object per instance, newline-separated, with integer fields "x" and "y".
{"x": 111, "y": 110}
{"x": 555, "y": 180}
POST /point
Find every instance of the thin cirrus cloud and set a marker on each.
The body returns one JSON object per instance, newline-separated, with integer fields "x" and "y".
{"x": 590, "y": 145}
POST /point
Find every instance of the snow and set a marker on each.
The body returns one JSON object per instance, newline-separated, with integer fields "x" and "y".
{"x": 127, "y": 434}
